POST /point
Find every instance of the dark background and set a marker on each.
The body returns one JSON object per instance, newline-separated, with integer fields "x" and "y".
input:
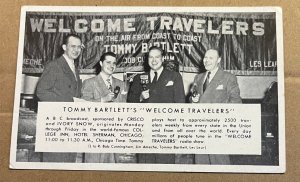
{"x": 237, "y": 51}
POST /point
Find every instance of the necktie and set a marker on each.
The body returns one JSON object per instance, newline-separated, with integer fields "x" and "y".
{"x": 72, "y": 66}
{"x": 155, "y": 78}
{"x": 206, "y": 83}
{"x": 109, "y": 86}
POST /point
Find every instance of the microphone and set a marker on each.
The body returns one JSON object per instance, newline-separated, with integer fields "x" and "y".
{"x": 144, "y": 81}
{"x": 194, "y": 90}
{"x": 116, "y": 92}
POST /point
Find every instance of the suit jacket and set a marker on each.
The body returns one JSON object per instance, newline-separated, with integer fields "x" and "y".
{"x": 58, "y": 83}
{"x": 223, "y": 88}
{"x": 168, "y": 89}
{"x": 95, "y": 88}
{"x": 92, "y": 90}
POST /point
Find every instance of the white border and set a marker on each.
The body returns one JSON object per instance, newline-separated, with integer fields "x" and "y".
{"x": 154, "y": 167}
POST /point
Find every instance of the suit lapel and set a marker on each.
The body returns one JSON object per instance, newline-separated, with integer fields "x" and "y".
{"x": 63, "y": 63}
{"x": 201, "y": 82}
{"x": 162, "y": 80}
{"x": 77, "y": 74}
{"x": 101, "y": 86}
{"x": 214, "y": 82}
{"x": 216, "y": 79}
{"x": 151, "y": 86}
{"x": 115, "y": 83}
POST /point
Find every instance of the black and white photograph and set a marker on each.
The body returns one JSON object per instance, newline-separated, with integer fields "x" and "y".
{"x": 179, "y": 89}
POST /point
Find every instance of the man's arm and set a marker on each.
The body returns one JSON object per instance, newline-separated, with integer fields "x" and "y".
{"x": 122, "y": 96}
{"x": 135, "y": 90}
{"x": 87, "y": 91}
{"x": 233, "y": 90}
{"x": 179, "y": 95}
{"x": 195, "y": 88}
{"x": 46, "y": 85}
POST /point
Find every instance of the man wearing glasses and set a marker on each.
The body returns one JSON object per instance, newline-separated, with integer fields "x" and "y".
{"x": 60, "y": 82}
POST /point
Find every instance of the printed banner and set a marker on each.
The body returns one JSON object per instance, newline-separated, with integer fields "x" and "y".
{"x": 247, "y": 42}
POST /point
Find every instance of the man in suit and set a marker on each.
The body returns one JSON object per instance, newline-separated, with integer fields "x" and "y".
{"x": 164, "y": 86}
{"x": 101, "y": 88}
{"x": 157, "y": 86}
{"x": 60, "y": 82}
{"x": 214, "y": 86}
{"x": 105, "y": 88}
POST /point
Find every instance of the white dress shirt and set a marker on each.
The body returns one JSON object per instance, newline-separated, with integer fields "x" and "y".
{"x": 105, "y": 77}
{"x": 71, "y": 64}
{"x": 152, "y": 74}
{"x": 212, "y": 74}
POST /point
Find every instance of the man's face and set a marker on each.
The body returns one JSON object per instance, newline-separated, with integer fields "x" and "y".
{"x": 109, "y": 65}
{"x": 155, "y": 59}
{"x": 211, "y": 60}
{"x": 72, "y": 48}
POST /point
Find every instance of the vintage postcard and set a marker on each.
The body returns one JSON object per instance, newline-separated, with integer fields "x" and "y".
{"x": 178, "y": 89}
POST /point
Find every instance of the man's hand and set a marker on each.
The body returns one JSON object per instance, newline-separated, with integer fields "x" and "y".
{"x": 145, "y": 95}
{"x": 108, "y": 98}
{"x": 196, "y": 98}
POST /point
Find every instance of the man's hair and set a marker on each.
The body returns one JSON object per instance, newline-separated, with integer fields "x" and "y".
{"x": 66, "y": 39}
{"x": 157, "y": 48}
{"x": 146, "y": 56}
{"x": 102, "y": 58}
{"x": 216, "y": 49}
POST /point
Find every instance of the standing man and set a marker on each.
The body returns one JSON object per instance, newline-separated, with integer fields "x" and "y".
{"x": 105, "y": 88}
{"x": 214, "y": 86}
{"x": 60, "y": 82}
{"x": 164, "y": 86}
{"x": 157, "y": 86}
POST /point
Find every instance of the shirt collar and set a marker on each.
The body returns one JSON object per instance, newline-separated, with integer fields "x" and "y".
{"x": 105, "y": 77}
{"x": 212, "y": 73}
{"x": 158, "y": 72}
{"x": 69, "y": 61}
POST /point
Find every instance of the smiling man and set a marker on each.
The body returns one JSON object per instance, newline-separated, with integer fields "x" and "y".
{"x": 163, "y": 86}
{"x": 105, "y": 88}
{"x": 157, "y": 86}
{"x": 214, "y": 86}
{"x": 60, "y": 80}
